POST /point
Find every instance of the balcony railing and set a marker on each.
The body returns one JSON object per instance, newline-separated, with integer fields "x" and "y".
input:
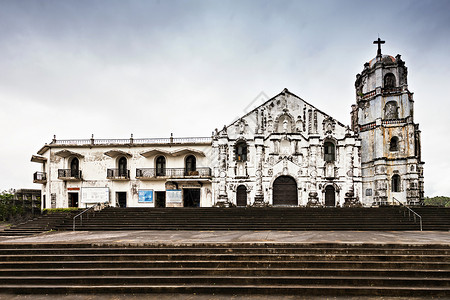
{"x": 69, "y": 174}
{"x": 118, "y": 174}
{"x": 143, "y": 141}
{"x": 148, "y": 173}
{"x": 39, "y": 177}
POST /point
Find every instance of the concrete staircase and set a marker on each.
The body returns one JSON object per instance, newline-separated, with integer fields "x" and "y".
{"x": 40, "y": 224}
{"x": 434, "y": 218}
{"x": 383, "y": 218}
{"x": 241, "y": 269}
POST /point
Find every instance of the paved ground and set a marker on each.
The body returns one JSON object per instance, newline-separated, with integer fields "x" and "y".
{"x": 187, "y": 237}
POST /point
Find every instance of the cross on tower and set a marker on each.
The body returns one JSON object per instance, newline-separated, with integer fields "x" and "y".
{"x": 379, "y": 42}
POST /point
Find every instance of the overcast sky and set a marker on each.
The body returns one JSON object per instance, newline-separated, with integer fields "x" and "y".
{"x": 112, "y": 68}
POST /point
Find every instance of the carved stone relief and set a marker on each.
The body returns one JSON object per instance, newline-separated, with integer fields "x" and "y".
{"x": 299, "y": 124}
{"x": 329, "y": 125}
{"x": 391, "y": 110}
{"x": 240, "y": 126}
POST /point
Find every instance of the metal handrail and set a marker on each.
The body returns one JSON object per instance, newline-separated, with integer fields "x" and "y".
{"x": 81, "y": 215}
{"x": 409, "y": 213}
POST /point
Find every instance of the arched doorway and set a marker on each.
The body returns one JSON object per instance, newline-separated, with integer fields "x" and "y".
{"x": 191, "y": 166}
{"x": 330, "y": 196}
{"x": 74, "y": 167}
{"x": 285, "y": 191}
{"x": 241, "y": 196}
{"x": 122, "y": 164}
{"x": 161, "y": 166}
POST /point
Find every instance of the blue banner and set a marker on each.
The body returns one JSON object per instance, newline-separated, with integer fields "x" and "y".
{"x": 145, "y": 196}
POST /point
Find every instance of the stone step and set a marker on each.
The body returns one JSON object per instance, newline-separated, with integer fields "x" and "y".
{"x": 227, "y": 280}
{"x": 225, "y": 271}
{"x": 412, "y": 265}
{"x": 307, "y": 290}
{"x": 226, "y": 250}
{"x": 225, "y": 257}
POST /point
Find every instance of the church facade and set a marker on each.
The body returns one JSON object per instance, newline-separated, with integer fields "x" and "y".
{"x": 286, "y": 152}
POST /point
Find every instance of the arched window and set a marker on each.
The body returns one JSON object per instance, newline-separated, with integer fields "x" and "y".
{"x": 74, "y": 167}
{"x": 329, "y": 152}
{"x": 391, "y": 110}
{"x": 284, "y": 124}
{"x": 389, "y": 80}
{"x": 191, "y": 165}
{"x": 396, "y": 183}
{"x": 241, "y": 151}
{"x": 393, "y": 145}
{"x": 122, "y": 163}
{"x": 161, "y": 166}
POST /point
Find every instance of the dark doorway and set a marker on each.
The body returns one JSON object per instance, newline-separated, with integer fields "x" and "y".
{"x": 330, "y": 196}
{"x": 160, "y": 199}
{"x": 191, "y": 197}
{"x": 74, "y": 168}
{"x": 161, "y": 166}
{"x": 123, "y": 171}
{"x": 73, "y": 199}
{"x": 122, "y": 199}
{"x": 285, "y": 191}
{"x": 396, "y": 183}
{"x": 191, "y": 166}
{"x": 241, "y": 196}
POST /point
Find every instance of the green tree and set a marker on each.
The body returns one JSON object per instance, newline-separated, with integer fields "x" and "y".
{"x": 7, "y": 209}
{"x": 442, "y": 201}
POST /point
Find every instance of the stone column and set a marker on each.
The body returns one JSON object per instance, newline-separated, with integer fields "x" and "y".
{"x": 259, "y": 194}
{"x": 222, "y": 200}
{"x": 313, "y": 199}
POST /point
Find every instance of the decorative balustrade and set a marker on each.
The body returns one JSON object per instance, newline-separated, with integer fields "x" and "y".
{"x": 368, "y": 95}
{"x": 383, "y": 122}
{"x": 367, "y": 126}
{"x": 395, "y": 121}
{"x": 96, "y": 142}
{"x": 384, "y": 91}
{"x": 69, "y": 174}
{"x": 39, "y": 177}
{"x": 118, "y": 174}
{"x": 391, "y": 90}
{"x": 148, "y": 173}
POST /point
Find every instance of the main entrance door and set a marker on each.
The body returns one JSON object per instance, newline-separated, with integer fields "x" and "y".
{"x": 330, "y": 197}
{"x": 73, "y": 199}
{"x": 241, "y": 196}
{"x": 122, "y": 199}
{"x": 191, "y": 197}
{"x": 285, "y": 191}
{"x": 160, "y": 199}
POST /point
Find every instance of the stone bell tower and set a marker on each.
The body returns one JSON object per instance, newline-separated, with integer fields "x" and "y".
{"x": 383, "y": 116}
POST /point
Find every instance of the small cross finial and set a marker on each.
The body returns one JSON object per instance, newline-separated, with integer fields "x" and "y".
{"x": 379, "y": 42}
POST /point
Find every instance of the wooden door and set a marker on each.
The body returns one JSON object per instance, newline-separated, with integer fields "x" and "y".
{"x": 241, "y": 196}
{"x": 285, "y": 191}
{"x": 330, "y": 196}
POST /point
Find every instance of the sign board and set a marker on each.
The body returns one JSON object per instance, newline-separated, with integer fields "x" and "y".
{"x": 53, "y": 200}
{"x": 145, "y": 196}
{"x": 174, "y": 196}
{"x": 95, "y": 195}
